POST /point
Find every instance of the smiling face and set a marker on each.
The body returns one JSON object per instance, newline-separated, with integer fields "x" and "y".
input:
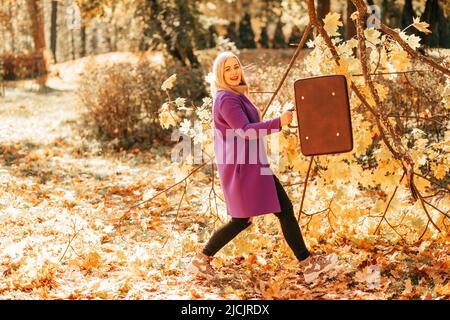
{"x": 232, "y": 72}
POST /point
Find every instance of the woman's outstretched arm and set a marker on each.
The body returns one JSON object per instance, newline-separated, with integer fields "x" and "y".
{"x": 232, "y": 112}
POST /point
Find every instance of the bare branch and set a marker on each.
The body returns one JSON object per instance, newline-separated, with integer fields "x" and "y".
{"x": 304, "y": 189}
{"x": 291, "y": 63}
{"x": 389, "y": 203}
{"x": 364, "y": 14}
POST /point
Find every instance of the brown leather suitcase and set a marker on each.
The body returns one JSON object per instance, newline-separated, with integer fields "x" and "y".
{"x": 323, "y": 115}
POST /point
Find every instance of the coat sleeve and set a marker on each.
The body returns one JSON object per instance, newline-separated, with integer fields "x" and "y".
{"x": 232, "y": 112}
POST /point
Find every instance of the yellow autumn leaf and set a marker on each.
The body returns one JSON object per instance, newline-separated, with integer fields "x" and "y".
{"x": 343, "y": 68}
{"x": 283, "y": 164}
{"x": 413, "y": 41}
{"x": 169, "y": 83}
{"x": 372, "y": 35}
{"x": 421, "y": 26}
{"x": 300, "y": 165}
{"x": 382, "y": 91}
{"x": 364, "y": 89}
{"x": 422, "y": 184}
{"x": 363, "y": 141}
{"x": 92, "y": 260}
{"x": 167, "y": 119}
{"x": 370, "y": 276}
{"x": 443, "y": 289}
{"x": 439, "y": 169}
{"x": 400, "y": 60}
{"x": 417, "y": 222}
{"x": 331, "y": 23}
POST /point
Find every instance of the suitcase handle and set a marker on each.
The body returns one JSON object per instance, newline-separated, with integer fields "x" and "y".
{"x": 289, "y": 125}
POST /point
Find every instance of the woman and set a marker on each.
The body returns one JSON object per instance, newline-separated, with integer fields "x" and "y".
{"x": 250, "y": 188}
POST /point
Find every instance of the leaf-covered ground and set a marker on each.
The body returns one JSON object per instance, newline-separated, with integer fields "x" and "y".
{"x": 65, "y": 232}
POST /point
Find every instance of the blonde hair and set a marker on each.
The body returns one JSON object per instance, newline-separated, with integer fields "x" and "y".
{"x": 218, "y": 81}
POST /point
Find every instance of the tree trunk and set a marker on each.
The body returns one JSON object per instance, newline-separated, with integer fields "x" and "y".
{"x": 116, "y": 36}
{"x": 112, "y": 32}
{"x": 444, "y": 24}
{"x": 11, "y": 28}
{"x": 430, "y": 15}
{"x": 94, "y": 39}
{"x": 439, "y": 25}
{"x": 72, "y": 44}
{"x": 83, "y": 41}
{"x": 350, "y": 28}
{"x": 389, "y": 14}
{"x": 323, "y": 7}
{"x": 407, "y": 14}
{"x": 53, "y": 28}
{"x": 37, "y": 21}
{"x": 178, "y": 45}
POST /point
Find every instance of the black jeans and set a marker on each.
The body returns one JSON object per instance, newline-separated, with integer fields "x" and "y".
{"x": 289, "y": 226}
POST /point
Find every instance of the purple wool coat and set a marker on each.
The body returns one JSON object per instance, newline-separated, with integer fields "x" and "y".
{"x": 241, "y": 157}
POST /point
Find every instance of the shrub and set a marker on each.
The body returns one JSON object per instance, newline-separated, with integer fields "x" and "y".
{"x": 123, "y": 100}
{"x": 21, "y": 65}
{"x": 190, "y": 82}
